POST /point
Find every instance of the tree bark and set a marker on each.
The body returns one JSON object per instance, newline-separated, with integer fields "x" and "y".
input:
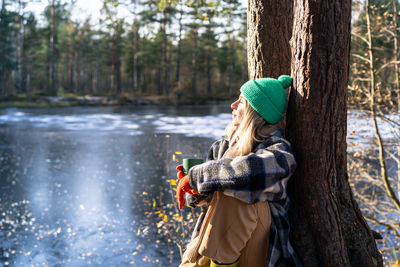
{"x": 194, "y": 61}
{"x": 328, "y": 228}
{"x": 95, "y": 82}
{"x": 178, "y": 56}
{"x": 231, "y": 67}
{"x": 20, "y": 49}
{"x": 243, "y": 67}
{"x": 23, "y": 63}
{"x": 163, "y": 58}
{"x": 230, "y": 56}
{"x": 70, "y": 56}
{"x": 134, "y": 55}
{"x": 209, "y": 73}
{"x": 269, "y": 27}
{"x": 165, "y": 54}
{"x": 397, "y": 80}
{"x": 77, "y": 72}
{"x": 116, "y": 60}
{"x": 52, "y": 50}
{"x": 169, "y": 72}
{"x": 194, "y": 31}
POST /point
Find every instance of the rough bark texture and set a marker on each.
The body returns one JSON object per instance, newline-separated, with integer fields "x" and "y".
{"x": 328, "y": 228}
{"x": 269, "y": 27}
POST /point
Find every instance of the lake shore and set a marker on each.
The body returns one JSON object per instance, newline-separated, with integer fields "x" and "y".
{"x": 36, "y": 101}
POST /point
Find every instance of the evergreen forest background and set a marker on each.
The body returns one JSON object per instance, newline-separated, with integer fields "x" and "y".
{"x": 193, "y": 48}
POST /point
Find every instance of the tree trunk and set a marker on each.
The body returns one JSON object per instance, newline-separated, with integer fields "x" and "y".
{"x": 90, "y": 75}
{"x": 52, "y": 49}
{"x": 194, "y": 55}
{"x": 95, "y": 82}
{"x": 243, "y": 69}
{"x": 159, "y": 73}
{"x": 116, "y": 61}
{"x": 269, "y": 27}
{"x": 165, "y": 54}
{"x": 77, "y": 75}
{"x": 231, "y": 67}
{"x": 23, "y": 63}
{"x": 178, "y": 56}
{"x": 194, "y": 63}
{"x": 70, "y": 63}
{"x": 85, "y": 64}
{"x": 230, "y": 56}
{"x": 143, "y": 63}
{"x": 328, "y": 228}
{"x": 134, "y": 55}
{"x": 142, "y": 82}
{"x": 28, "y": 88}
{"x": 209, "y": 73}
{"x": 159, "y": 89}
{"x": 20, "y": 49}
{"x": 118, "y": 72}
{"x": 162, "y": 59}
{"x": 2, "y": 81}
{"x": 397, "y": 81}
{"x": 169, "y": 69}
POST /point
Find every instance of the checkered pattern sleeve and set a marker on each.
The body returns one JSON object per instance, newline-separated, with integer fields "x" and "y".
{"x": 258, "y": 176}
{"x": 217, "y": 149}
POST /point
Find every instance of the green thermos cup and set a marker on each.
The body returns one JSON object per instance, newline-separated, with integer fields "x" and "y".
{"x": 189, "y": 163}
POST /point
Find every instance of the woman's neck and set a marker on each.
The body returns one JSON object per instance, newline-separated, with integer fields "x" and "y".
{"x": 269, "y": 128}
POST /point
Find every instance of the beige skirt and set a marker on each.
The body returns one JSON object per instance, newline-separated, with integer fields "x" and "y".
{"x": 231, "y": 229}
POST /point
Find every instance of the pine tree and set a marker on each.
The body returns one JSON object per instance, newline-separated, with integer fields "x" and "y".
{"x": 7, "y": 63}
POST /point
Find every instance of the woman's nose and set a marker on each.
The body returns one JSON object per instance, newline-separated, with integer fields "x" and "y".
{"x": 234, "y": 105}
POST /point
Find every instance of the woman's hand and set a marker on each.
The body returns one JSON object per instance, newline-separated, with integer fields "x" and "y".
{"x": 184, "y": 187}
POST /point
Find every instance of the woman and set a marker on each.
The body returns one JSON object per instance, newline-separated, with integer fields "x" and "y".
{"x": 242, "y": 186}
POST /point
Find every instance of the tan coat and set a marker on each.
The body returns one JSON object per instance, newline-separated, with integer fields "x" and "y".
{"x": 231, "y": 229}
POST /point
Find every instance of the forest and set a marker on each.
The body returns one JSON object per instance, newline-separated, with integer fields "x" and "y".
{"x": 193, "y": 48}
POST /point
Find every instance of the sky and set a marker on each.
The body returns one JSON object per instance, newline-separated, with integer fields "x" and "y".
{"x": 85, "y": 9}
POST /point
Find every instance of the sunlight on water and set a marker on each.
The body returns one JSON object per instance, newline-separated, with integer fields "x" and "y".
{"x": 75, "y": 122}
{"x": 201, "y": 126}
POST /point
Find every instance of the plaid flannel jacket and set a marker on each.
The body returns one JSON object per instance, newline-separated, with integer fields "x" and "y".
{"x": 261, "y": 175}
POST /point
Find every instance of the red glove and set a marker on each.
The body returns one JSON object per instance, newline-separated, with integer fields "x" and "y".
{"x": 180, "y": 173}
{"x": 184, "y": 187}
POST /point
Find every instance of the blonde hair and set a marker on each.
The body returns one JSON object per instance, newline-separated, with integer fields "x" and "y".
{"x": 244, "y": 136}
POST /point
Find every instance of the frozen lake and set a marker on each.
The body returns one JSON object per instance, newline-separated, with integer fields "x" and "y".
{"x": 77, "y": 183}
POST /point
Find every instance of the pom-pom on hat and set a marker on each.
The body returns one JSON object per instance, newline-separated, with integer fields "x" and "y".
{"x": 267, "y": 96}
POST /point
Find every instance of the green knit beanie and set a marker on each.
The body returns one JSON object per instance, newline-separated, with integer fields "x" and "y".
{"x": 267, "y": 96}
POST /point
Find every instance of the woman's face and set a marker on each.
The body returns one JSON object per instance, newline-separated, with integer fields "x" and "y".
{"x": 238, "y": 110}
